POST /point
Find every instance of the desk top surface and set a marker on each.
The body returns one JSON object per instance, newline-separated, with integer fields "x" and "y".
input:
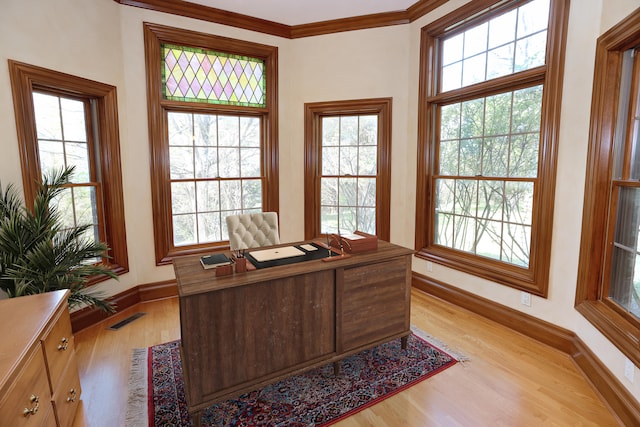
{"x": 193, "y": 279}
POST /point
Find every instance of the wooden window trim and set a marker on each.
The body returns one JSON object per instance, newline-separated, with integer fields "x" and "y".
{"x": 591, "y": 300}
{"x": 534, "y": 279}
{"x": 27, "y": 78}
{"x": 154, "y": 36}
{"x": 312, "y": 116}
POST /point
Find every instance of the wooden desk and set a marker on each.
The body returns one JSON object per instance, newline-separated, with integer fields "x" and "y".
{"x": 245, "y": 330}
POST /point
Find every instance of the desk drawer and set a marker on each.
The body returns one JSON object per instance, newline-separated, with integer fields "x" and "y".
{"x": 67, "y": 394}
{"x": 29, "y": 391}
{"x": 58, "y": 346}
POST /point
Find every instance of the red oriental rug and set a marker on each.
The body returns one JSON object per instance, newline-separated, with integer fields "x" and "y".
{"x": 314, "y": 398}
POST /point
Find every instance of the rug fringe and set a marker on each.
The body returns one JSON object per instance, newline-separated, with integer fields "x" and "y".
{"x": 137, "y": 403}
{"x": 459, "y": 356}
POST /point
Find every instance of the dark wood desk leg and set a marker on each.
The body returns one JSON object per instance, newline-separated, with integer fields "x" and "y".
{"x": 196, "y": 417}
{"x": 403, "y": 342}
{"x": 336, "y": 368}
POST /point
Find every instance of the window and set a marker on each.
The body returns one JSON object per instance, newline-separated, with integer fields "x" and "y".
{"x": 608, "y": 292}
{"x": 63, "y": 121}
{"x": 212, "y": 107}
{"x": 347, "y": 167}
{"x": 488, "y": 124}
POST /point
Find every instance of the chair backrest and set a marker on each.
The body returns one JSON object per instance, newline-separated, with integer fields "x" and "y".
{"x": 253, "y": 230}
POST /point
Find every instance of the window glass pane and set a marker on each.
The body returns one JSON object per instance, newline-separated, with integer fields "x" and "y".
{"x": 183, "y": 197}
{"x": 330, "y": 131}
{"x": 474, "y": 70}
{"x": 366, "y": 218}
{"x": 475, "y": 40}
{"x": 348, "y": 160}
{"x": 367, "y": 160}
{"x": 368, "y": 130}
{"x": 367, "y": 193}
{"x": 495, "y": 156}
{"x": 518, "y": 202}
{"x": 250, "y": 132}
{"x": 51, "y": 155}
{"x": 524, "y": 155}
{"x": 251, "y": 195}
{"x": 502, "y": 29}
{"x": 329, "y": 219}
{"x": 250, "y": 162}
{"x": 329, "y": 191}
{"x": 491, "y": 200}
{"x": 500, "y": 61}
{"x": 209, "y": 227}
{"x": 347, "y": 191}
{"x": 498, "y": 114}
{"x": 206, "y": 162}
{"x": 347, "y": 218}
{"x": 444, "y": 229}
{"x": 77, "y": 155}
{"x": 205, "y": 132}
{"x": 349, "y": 130}
{"x": 471, "y": 124}
{"x": 180, "y": 127}
{"x": 229, "y": 165}
{"x": 231, "y": 195}
{"x": 84, "y": 202}
{"x": 466, "y": 197}
{"x": 47, "y": 112}
{"x": 228, "y": 131}
{"x": 470, "y": 157}
{"x": 450, "y": 121}
{"x": 516, "y": 245}
{"x": 208, "y": 196}
{"x": 452, "y": 49}
{"x": 445, "y": 191}
{"x": 452, "y": 76}
{"x": 198, "y": 75}
{"x": 489, "y": 239}
{"x": 181, "y": 162}
{"x": 530, "y": 52}
{"x": 73, "y": 120}
{"x": 184, "y": 230}
{"x": 449, "y": 157}
{"x": 464, "y": 233}
{"x": 63, "y": 203}
{"x": 330, "y": 160}
{"x": 533, "y": 17}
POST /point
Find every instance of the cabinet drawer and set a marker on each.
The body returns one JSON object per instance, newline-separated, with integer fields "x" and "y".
{"x": 29, "y": 391}
{"x": 58, "y": 345}
{"x": 67, "y": 394}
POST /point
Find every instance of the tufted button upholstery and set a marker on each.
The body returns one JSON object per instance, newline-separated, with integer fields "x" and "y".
{"x": 253, "y": 230}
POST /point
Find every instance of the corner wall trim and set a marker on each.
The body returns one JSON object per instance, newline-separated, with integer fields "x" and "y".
{"x": 619, "y": 400}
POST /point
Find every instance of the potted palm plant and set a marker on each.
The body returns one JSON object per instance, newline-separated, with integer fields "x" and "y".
{"x": 38, "y": 255}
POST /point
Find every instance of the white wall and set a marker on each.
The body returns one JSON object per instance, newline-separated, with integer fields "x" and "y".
{"x": 102, "y": 40}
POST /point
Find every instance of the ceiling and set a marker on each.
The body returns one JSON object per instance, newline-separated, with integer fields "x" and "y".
{"x": 297, "y": 12}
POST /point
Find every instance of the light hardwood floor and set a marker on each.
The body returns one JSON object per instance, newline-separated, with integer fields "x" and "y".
{"x": 509, "y": 380}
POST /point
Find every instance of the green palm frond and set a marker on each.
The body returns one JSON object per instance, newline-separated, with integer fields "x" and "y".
{"x": 37, "y": 255}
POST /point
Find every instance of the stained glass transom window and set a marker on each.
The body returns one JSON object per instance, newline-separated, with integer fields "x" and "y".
{"x": 198, "y": 75}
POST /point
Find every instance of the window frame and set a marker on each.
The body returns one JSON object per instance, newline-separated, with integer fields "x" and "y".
{"x": 154, "y": 36}
{"x": 533, "y": 279}
{"x": 314, "y": 112}
{"x": 26, "y": 79}
{"x": 593, "y": 268}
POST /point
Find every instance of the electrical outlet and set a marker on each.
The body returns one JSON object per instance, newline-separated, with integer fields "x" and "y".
{"x": 525, "y": 299}
{"x": 629, "y": 369}
{"x": 429, "y": 266}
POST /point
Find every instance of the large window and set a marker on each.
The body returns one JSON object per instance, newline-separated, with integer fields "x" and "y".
{"x": 65, "y": 121}
{"x": 488, "y": 134}
{"x": 347, "y": 167}
{"x": 212, "y": 106}
{"x": 608, "y": 291}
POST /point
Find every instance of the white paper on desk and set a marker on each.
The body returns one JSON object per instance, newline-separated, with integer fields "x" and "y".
{"x": 276, "y": 253}
{"x": 352, "y": 236}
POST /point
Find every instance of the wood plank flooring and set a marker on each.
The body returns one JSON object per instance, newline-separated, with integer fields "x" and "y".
{"x": 509, "y": 380}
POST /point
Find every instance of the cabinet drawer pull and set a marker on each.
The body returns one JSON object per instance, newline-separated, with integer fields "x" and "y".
{"x": 64, "y": 344}
{"x": 72, "y": 396}
{"x": 35, "y": 400}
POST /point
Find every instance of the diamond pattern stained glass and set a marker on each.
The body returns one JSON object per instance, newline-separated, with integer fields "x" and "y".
{"x": 197, "y": 75}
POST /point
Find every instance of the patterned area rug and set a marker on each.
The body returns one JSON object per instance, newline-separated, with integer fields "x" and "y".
{"x": 315, "y": 398}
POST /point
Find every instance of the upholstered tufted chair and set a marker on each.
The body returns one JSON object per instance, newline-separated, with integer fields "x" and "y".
{"x": 253, "y": 230}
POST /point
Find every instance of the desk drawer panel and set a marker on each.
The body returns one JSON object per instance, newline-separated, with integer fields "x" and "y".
{"x": 67, "y": 395}
{"x": 30, "y": 391}
{"x": 58, "y": 345}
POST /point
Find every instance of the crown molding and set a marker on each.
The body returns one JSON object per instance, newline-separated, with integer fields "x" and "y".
{"x": 238, "y": 20}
